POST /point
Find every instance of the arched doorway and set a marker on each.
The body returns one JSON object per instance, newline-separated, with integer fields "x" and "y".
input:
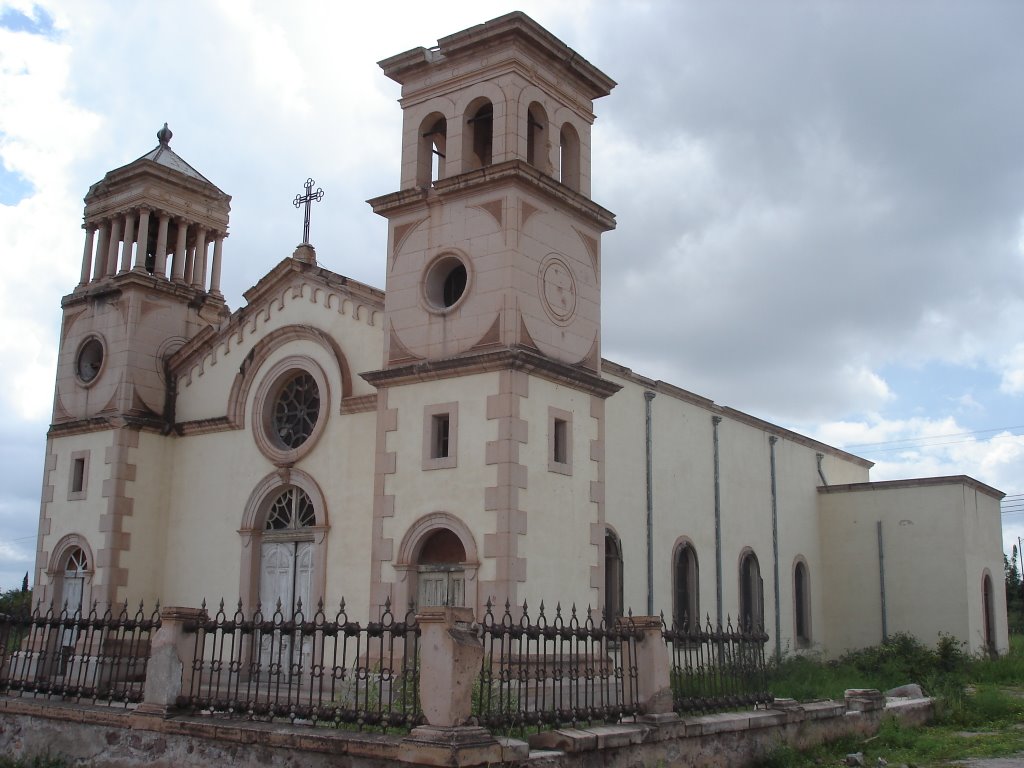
{"x": 286, "y": 555}
{"x": 685, "y": 586}
{"x": 441, "y": 570}
{"x": 989, "y": 615}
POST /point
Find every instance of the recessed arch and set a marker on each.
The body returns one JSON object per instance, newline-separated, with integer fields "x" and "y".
{"x": 801, "y": 603}
{"x": 538, "y": 137}
{"x": 478, "y": 134}
{"x": 426, "y": 551}
{"x": 71, "y": 553}
{"x": 685, "y": 585}
{"x": 266, "y": 347}
{"x": 253, "y": 525}
{"x": 569, "y": 156}
{"x": 613, "y": 575}
{"x": 432, "y": 149}
{"x": 751, "y": 591}
{"x": 988, "y": 612}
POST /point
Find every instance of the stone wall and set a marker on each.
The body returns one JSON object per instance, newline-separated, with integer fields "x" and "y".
{"x": 104, "y": 738}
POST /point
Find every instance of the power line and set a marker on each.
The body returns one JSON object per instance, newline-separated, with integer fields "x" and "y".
{"x": 935, "y": 437}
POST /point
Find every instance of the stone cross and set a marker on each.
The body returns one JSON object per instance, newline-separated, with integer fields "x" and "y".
{"x": 306, "y": 199}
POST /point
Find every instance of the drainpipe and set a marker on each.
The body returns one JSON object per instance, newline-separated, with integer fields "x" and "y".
{"x": 648, "y": 397}
{"x": 715, "y": 421}
{"x": 821, "y": 472}
{"x": 881, "y": 582}
{"x": 772, "y": 440}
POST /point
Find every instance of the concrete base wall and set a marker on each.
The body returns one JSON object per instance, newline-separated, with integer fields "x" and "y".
{"x": 105, "y": 738}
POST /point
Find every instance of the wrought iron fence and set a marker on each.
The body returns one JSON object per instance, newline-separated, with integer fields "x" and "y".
{"x": 716, "y": 669}
{"x": 316, "y": 670}
{"x": 92, "y": 657}
{"x": 542, "y": 674}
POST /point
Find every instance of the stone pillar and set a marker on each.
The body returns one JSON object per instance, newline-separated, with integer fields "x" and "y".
{"x": 143, "y": 238}
{"x": 199, "y": 262}
{"x": 653, "y": 667}
{"x": 90, "y": 234}
{"x": 218, "y": 247}
{"x": 115, "y": 241}
{"x": 169, "y": 669}
{"x": 190, "y": 263}
{"x": 179, "y": 252}
{"x": 160, "y": 257}
{"x": 129, "y": 240}
{"x": 451, "y": 656}
{"x": 99, "y": 265}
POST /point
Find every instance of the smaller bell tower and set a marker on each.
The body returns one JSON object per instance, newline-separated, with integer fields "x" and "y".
{"x": 150, "y": 281}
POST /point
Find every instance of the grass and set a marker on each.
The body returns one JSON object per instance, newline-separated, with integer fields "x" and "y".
{"x": 979, "y": 703}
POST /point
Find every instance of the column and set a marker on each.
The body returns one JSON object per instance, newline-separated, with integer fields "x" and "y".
{"x": 179, "y": 252}
{"x": 190, "y": 263}
{"x": 218, "y": 245}
{"x": 129, "y": 240}
{"x": 169, "y": 669}
{"x": 648, "y": 655}
{"x": 199, "y": 262}
{"x": 143, "y": 238}
{"x": 115, "y": 241}
{"x": 90, "y": 234}
{"x": 99, "y": 266}
{"x": 160, "y": 257}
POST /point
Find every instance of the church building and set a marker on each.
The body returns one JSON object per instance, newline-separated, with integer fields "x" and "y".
{"x": 456, "y": 437}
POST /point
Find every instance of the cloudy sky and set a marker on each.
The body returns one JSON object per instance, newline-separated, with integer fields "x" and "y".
{"x": 820, "y": 205}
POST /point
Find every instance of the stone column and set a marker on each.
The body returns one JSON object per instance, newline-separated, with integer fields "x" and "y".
{"x": 179, "y": 252}
{"x": 653, "y": 666}
{"x": 90, "y": 234}
{"x": 99, "y": 266}
{"x": 115, "y": 242}
{"x": 143, "y": 239}
{"x": 199, "y": 262}
{"x": 190, "y": 263}
{"x": 129, "y": 240}
{"x": 169, "y": 669}
{"x": 218, "y": 246}
{"x": 450, "y": 658}
{"x": 160, "y": 257}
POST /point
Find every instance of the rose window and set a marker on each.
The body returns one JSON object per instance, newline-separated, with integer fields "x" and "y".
{"x": 296, "y": 411}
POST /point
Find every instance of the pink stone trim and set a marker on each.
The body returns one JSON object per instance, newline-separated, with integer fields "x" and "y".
{"x": 381, "y": 547}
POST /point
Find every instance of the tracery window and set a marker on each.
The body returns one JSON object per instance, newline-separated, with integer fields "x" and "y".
{"x": 296, "y": 410}
{"x": 292, "y": 509}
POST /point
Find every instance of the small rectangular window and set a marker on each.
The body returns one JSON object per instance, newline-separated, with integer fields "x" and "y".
{"x": 440, "y": 435}
{"x": 77, "y": 475}
{"x": 440, "y": 426}
{"x": 78, "y": 479}
{"x": 560, "y": 442}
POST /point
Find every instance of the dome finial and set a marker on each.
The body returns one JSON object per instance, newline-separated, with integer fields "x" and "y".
{"x": 164, "y": 135}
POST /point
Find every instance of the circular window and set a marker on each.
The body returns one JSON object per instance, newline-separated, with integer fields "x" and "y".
{"x": 89, "y": 360}
{"x": 290, "y": 409}
{"x": 446, "y": 282}
{"x": 296, "y": 410}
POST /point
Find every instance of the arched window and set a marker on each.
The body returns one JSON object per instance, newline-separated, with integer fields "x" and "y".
{"x": 612, "y": 576}
{"x": 479, "y": 135}
{"x": 751, "y": 592}
{"x": 433, "y": 141}
{"x": 286, "y": 554}
{"x": 569, "y": 157}
{"x": 537, "y": 137}
{"x": 685, "y": 588}
{"x": 989, "y": 614}
{"x": 802, "y": 604}
{"x": 440, "y": 570}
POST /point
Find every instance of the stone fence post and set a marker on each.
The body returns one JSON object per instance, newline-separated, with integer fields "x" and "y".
{"x": 169, "y": 669}
{"x": 653, "y": 667}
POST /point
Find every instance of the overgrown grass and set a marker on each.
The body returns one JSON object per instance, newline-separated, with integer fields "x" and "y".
{"x": 979, "y": 702}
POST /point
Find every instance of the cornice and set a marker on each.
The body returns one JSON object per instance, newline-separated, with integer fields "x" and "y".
{"x": 515, "y": 358}
{"x": 918, "y": 482}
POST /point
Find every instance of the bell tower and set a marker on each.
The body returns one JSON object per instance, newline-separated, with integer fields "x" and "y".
{"x": 150, "y": 281}
{"x": 490, "y": 398}
{"x": 494, "y": 241}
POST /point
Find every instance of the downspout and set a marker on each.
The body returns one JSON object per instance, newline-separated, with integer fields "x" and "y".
{"x": 715, "y": 421}
{"x": 648, "y": 397}
{"x": 881, "y": 582}
{"x": 821, "y": 472}
{"x": 772, "y": 440}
